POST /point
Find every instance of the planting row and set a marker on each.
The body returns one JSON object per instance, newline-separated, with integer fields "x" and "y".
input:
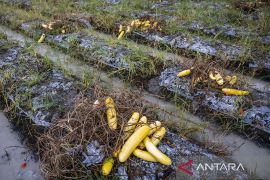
{"x": 236, "y": 20}
{"x": 252, "y": 110}
{"x": 255, "y": 107}
{"x": 231, "y": 54}
{"x": 44, "y": 94}
{"x": 38, "y": 92}
{"x": 249, "y": 55}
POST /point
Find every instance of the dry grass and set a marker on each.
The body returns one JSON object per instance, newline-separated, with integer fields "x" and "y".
{"x": 81, "y": 126}
{"x": 200, "y": 76}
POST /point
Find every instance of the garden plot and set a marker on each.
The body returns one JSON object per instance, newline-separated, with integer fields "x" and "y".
{"x": 246, "y": 54}
{"x": 99, "y": 149}
{"x": 230, "y": 53}
{"x": 98, "y": 50}
{"x": 249, "y": 109}
{"x": 47, "y": 96}
{"x": 38, "y": 92}
{"x": 214, "y": 100}
{"x": 167, "y": 12}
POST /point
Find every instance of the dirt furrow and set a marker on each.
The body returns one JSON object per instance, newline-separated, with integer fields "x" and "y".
{"x": 78, "y": 69}
{"x": 94, "y": 49}
{"x": 233, "y": 56}
{"x": 44, "y": 94}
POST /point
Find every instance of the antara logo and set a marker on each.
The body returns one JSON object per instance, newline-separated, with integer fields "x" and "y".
{"x": 189, "y": 164}
{"x": 211, "y": 167}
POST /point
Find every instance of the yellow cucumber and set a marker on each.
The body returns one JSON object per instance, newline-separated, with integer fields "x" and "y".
{"x": 132, "y": 23}
{"x": 121, "y": 28}
{"x": 233, "y": 80}
{"x": 111, "y": 113}
{"x": 41, "y": 39}
{"x": 154, "y": 127}
{"x": 131, "y": 124}
{"x": 107, "y": 166}
{"x": 129, "y": 29}
{"x": 158, "y": 135}
{"x": 237, "y": 92}
{"x": 45, "y": 26}
{"x": 132, "y": 142}
{"x": 141, "y": 122}
{"x": 228, "y": 78}
{"x": 155, "y": 24}
{"x": 211, "y": 76}
{"x": 111, "y": 118}
{"x": 121, "y": 35}
{"x": 159, "y": 156}
{"x": 219, "y": 79}
{"x": 137, "y": 23}
{"x": 115, "y": 153}
{"x": 184, "y": 73}
{"x": 144, "y": 155}
{"x": 109, "y": 103}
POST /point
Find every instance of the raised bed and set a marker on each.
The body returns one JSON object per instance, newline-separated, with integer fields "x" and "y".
{"x": 44, "y": 94}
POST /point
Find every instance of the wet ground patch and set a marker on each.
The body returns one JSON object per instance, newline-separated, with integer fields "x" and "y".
{"x": 247, "y": 110}
{"x": 114, "y": 57}
{"x": 24, "y": 74}
{"x": 35, "y": 90}
{"x": 24, "y": 4}
{"x": 235, "y": 55}
{"x": 98, "y": 51}
{"x": 71, "y": 130}
{"x": 126, "y": 62}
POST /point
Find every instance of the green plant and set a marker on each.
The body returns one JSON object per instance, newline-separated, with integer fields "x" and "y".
{"x": 87, "y": 79}
{"x": 48, "y": 102}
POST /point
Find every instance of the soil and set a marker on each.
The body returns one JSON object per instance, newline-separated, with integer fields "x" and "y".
{"x": 41, "y": 83}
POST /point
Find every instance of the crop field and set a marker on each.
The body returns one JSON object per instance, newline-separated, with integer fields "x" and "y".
{"x": 119, "y": 89}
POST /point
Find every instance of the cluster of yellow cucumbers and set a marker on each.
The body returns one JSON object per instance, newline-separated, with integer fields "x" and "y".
{"x": 142, "y": 25}
{"x": 141, "y": 139}
{"x": 215, "y": 76}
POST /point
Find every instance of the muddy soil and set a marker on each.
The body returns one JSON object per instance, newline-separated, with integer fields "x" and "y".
{"x": 38, "y": 92}
{"x": 44, "y": 94}
{"x": 234, "y": 55}
{"x": 17, "y": 161}
{"x": 117, "y": 57}
{"x": 19, "y": 67}
{"x": 233, "y": 141}
{"x": 218, "y": 49}
{"x": 256, "y": 111}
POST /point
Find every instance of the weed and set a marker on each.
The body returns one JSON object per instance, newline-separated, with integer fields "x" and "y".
{"x": 87, "y": 79}
{"x": 48, "y": 102}
{"x": 47, "y": 63}
{"x": 34, "y": 79}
